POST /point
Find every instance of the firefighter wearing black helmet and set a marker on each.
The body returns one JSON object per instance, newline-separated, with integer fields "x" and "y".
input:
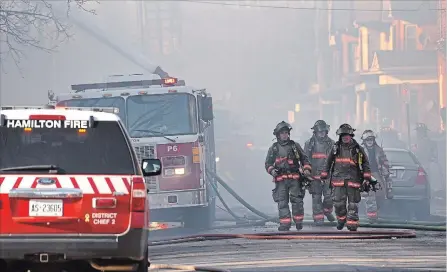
{"x": 348, "y": 168}
{"x": 380, "y": 170}
{"x": 286, "y": 162}
{"x": 317, "y": 149}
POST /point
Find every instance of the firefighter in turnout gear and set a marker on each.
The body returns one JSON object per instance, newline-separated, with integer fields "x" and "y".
{"x": 317, "y": 149}
{"x": 390, "y": 138}
{"x": 286, "y": 162}
{"x": 348, "y": 169}
{"x": 425, "y": 148}
{"x": 380, "y": 170}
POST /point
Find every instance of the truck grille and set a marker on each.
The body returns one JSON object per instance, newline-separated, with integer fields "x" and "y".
{"x": 147, "y": 152}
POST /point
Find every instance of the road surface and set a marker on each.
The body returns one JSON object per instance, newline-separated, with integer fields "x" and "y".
{"x": 427, "y": 252}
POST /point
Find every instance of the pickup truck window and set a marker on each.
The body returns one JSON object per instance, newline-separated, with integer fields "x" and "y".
{"x": 99, "y": 150}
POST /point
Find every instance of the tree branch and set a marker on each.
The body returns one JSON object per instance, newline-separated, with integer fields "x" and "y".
{"x": 28, "y": 24}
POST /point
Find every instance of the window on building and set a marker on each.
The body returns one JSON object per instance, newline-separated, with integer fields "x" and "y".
{"x": 394, "y": 37}
{"x": 337, "y": 68}
{"x": 410, "y": 37}
{"x": 354, "y": 58}
{"x": 373, "y": 44}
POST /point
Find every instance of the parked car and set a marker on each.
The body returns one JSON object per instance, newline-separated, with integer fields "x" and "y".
{"x": 411, "y": 184}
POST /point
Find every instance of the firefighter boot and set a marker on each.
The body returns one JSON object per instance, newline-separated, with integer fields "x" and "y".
{"x": 284, "y": 227}
{"x": 340, "y": 225}
{"x": 352, "y": 227}
{"x": 372, "y": 217}
{"x": 299, "y": 226}
{"x": 330, "y": 217}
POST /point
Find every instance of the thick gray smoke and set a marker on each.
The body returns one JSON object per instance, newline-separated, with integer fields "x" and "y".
{"x": 256, "y": 62}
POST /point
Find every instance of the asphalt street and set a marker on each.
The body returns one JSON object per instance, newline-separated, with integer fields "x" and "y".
{"x": 427, "y": 252}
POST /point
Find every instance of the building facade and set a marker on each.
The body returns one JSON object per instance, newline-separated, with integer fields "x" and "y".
{"x": 382, "y": 66}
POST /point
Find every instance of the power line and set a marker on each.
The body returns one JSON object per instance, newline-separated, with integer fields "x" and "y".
{"x": 306, "y": 8}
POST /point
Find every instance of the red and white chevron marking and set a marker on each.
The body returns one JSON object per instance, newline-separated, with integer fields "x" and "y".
{"x": 88, "y": 184}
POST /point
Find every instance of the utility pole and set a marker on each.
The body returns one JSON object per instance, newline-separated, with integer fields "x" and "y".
{"x": 141, "y": 21}
{"x": 442, "y": 55}
{"x": 164, "y": 26}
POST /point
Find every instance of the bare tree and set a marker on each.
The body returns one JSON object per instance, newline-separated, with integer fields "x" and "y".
{"x": 28, "y": 23}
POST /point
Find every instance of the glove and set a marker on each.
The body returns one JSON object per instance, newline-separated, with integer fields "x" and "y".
{"x": 306, "y": 173}
{"x": 274, "y": 173}
{"x": 365, "y": 184}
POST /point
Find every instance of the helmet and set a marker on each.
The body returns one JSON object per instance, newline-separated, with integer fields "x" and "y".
{"x": 345, "y": 129}
{"x": 421, "y": 127}
{"x": 321, "y": 125}
{"x": 282, "y": 126}
{"x": 368, "y": 134}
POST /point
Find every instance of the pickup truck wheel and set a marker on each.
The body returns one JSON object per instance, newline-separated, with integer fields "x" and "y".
{"x": 143, "y": 265}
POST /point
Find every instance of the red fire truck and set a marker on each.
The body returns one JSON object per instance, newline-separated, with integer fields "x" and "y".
{"x": 172, "y": 122}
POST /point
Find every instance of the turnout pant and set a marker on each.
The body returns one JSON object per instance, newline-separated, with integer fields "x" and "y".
{"x": 285, "y": 191}
{"x": 346, "y": 193}
{"x": 321, "y": 199}
{"x": 375, "y": 199}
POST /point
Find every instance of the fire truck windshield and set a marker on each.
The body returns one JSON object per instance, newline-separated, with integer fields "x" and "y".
{"x": 116, "y": 102}
{"x": 161, "y": 114}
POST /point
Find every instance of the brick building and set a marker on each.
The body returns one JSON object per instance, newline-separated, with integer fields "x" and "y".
{"x": 378, "y": 61}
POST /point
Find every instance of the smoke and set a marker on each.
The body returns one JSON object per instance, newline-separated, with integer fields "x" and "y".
{"x": 257, "y": 62}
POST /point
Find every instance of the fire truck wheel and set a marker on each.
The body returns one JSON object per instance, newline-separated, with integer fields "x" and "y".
{"x": 198, "y": 218}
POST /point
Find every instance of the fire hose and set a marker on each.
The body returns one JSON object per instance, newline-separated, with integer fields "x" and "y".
{"x": 292, "y": 235}
{"x": 264, "y": 218}
{"x": 187, "y": 268}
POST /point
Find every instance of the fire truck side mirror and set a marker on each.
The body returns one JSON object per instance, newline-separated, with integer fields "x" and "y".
{"x": 206, "y": 108}
{"x": 151, "y": 167}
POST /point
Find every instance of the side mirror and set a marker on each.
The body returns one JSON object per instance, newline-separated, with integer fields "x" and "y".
{"x": 151, "y": 167}
{"x": 206, "y": 108}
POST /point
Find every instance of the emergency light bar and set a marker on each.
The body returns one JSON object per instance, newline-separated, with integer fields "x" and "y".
{"x": 170, "y": 81}
{"x": 26, "y": 107}
{"x": 96, "y": 109}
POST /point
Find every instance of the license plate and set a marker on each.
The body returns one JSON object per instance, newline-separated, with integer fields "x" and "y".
{"x": 46, "y": 207}
{"x": 172, "y": 199}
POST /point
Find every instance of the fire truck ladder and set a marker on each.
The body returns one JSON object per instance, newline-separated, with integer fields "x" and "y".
{"x": 122, "y": 84}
